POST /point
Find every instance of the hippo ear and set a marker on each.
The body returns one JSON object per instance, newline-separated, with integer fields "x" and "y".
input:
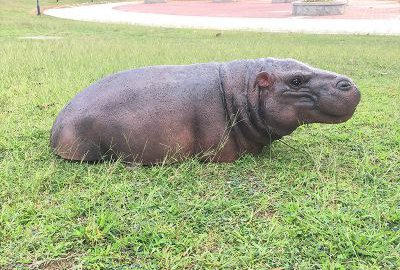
{"x": 264, "y": 80}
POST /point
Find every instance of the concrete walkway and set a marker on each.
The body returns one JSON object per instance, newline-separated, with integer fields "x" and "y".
{"x": 154, "y": 15}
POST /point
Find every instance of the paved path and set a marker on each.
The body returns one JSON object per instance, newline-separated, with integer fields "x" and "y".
{"x": 382, "y": 18}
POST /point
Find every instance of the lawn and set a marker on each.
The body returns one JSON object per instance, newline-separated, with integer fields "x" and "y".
{"x": 325, "y": 197}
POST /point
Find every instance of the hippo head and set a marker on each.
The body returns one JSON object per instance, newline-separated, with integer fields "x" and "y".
{"x": 295, "y": 93}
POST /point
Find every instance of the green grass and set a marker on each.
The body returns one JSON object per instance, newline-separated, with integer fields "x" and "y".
{"x": 327, "y": 197}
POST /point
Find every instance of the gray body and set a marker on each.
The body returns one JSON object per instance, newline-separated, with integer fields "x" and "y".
{"x": 216, "y": 111}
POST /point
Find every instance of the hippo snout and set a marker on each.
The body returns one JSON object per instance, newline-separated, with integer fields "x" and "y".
{"x": 344, "y": 85}
{"x": 339, "y": 104}
{"x": 349, "y": 91}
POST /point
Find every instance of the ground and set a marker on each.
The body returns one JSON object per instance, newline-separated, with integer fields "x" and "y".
{"x": 360, "y": 17}
{"x": 373, "y": 10}
{"x": 326, "y": 197}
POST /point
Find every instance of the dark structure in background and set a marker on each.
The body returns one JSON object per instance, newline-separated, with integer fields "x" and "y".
{"x": 38, "y": 7}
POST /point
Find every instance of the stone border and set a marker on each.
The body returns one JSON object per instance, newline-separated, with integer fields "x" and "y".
{"x": 154, "y": 1}
{"x": 318, "y": 8}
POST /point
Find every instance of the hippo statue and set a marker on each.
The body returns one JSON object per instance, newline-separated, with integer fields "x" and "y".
{"x": 213, "y": 111}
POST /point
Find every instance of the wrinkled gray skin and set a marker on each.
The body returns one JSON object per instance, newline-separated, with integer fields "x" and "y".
{"x": 215, "y": 111}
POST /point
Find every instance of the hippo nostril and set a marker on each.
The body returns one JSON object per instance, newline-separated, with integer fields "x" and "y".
{"x": 344, "y": 85}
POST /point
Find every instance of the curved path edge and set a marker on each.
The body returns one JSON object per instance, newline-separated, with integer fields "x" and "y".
{"x": 106, "y": 14}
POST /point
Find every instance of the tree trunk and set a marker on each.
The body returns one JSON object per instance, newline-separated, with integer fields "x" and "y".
{"x": 38, "y": 7}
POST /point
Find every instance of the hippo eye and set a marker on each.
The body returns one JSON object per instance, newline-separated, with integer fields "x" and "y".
{"x": 296, "y": 81}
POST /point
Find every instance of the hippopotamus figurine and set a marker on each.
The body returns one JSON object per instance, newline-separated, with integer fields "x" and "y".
{"x": 213, "y": 111}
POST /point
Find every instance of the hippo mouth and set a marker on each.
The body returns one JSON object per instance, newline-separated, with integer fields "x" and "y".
{"x": 320, "y": 115}
{"x": 317, "y": 112}
{"x": 302, "y": 97}
{"x": 330, "y": 118}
